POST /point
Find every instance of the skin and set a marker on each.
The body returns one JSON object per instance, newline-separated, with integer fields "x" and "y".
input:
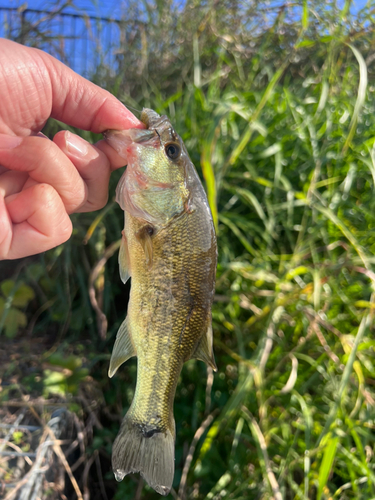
{"x": 43, "y": 181}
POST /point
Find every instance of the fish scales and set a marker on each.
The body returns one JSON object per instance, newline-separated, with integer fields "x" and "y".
{"x": 160, "y": 309}
{"x": 169, "y": 249}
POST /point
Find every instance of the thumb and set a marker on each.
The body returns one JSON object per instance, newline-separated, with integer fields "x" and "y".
{"x": 80, "y": 103}
{"x": 35, "y": 86}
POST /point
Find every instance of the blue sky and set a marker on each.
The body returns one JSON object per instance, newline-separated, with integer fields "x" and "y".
{"x": 106, "y": 8}
{"x": 80, "y": 44}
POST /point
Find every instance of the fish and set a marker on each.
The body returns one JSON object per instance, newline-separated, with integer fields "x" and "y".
{"x": 169, "y": 250}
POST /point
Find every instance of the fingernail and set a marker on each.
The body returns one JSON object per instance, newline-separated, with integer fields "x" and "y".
{"x": 75, "y": 144}
{"x": 9, "y": 141}
{"x": 40, "y": 134}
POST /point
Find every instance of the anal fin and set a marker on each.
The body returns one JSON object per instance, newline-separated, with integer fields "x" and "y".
{"x": 123, "y": 348}
{"x": 204, "y": 350}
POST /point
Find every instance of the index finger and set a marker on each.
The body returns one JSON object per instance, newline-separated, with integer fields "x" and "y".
{"x": 59, "y": 92}
{"x": 82, "y": 104}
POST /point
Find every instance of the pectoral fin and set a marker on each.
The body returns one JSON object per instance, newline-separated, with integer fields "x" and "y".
{"x": 204, "y": 349}
{"x": 123, "y": 348}
{"x": 123, "y": 260}
{"x": 144, "y": 238}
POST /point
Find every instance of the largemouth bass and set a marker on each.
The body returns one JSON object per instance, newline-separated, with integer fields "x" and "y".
{"x": 169, "y": 250}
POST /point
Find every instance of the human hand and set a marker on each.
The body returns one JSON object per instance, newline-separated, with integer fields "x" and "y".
{"x": 43, "y": 181}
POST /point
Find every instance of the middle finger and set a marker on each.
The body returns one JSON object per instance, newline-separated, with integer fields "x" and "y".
{"x": 45, "y": 163}
{"x": 93, "y": 166}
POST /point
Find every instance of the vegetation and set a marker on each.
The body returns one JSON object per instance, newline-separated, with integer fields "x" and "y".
{"x": 277, "y": 113}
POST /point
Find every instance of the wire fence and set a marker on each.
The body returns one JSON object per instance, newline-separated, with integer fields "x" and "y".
{"x": 83, "y": 42}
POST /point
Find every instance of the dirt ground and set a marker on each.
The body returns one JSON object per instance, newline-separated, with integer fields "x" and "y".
{"x": 46, "y": 441}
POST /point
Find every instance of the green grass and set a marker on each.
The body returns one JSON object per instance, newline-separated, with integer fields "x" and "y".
{"x": 284, "y": 140}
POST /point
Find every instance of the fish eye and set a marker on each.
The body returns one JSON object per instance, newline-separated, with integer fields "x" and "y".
{"x": 173, "y": 151}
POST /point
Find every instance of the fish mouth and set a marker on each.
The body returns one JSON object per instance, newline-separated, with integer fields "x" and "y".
{"x": 161, "y": 125}
{"x": 158, "y": 132}
{"x": 150, "y": 117}
{"x": 131, "y": 135}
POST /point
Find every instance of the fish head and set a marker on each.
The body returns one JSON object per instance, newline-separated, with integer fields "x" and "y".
{"x": 155, "y": 185}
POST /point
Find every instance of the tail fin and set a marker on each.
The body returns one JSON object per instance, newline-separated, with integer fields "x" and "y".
{"x": 148, "y": 451}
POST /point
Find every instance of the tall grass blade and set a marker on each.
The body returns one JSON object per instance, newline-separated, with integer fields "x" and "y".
{"x": 327, "y": 462}
{"x": 360, "y": 97}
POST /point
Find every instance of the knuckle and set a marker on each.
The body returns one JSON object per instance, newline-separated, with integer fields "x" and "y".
{"x": 47, "y": 195}
{"x": 5, "y": 237}
{"x": 44, "y": 146}
{"x": 4, "y": 246}
{"x": 101, "y": 202}
{"x": 97, "y": 204}
{"x": 45, "y": 151}
{"x": 65, "y": 229}
{"x": 60, "y": 223}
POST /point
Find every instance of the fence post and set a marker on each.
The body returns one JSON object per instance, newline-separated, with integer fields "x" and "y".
{"x": 23, "y": 26}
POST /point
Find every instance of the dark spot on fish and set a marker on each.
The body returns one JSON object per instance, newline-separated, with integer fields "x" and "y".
{"x": 148, "y": 431}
